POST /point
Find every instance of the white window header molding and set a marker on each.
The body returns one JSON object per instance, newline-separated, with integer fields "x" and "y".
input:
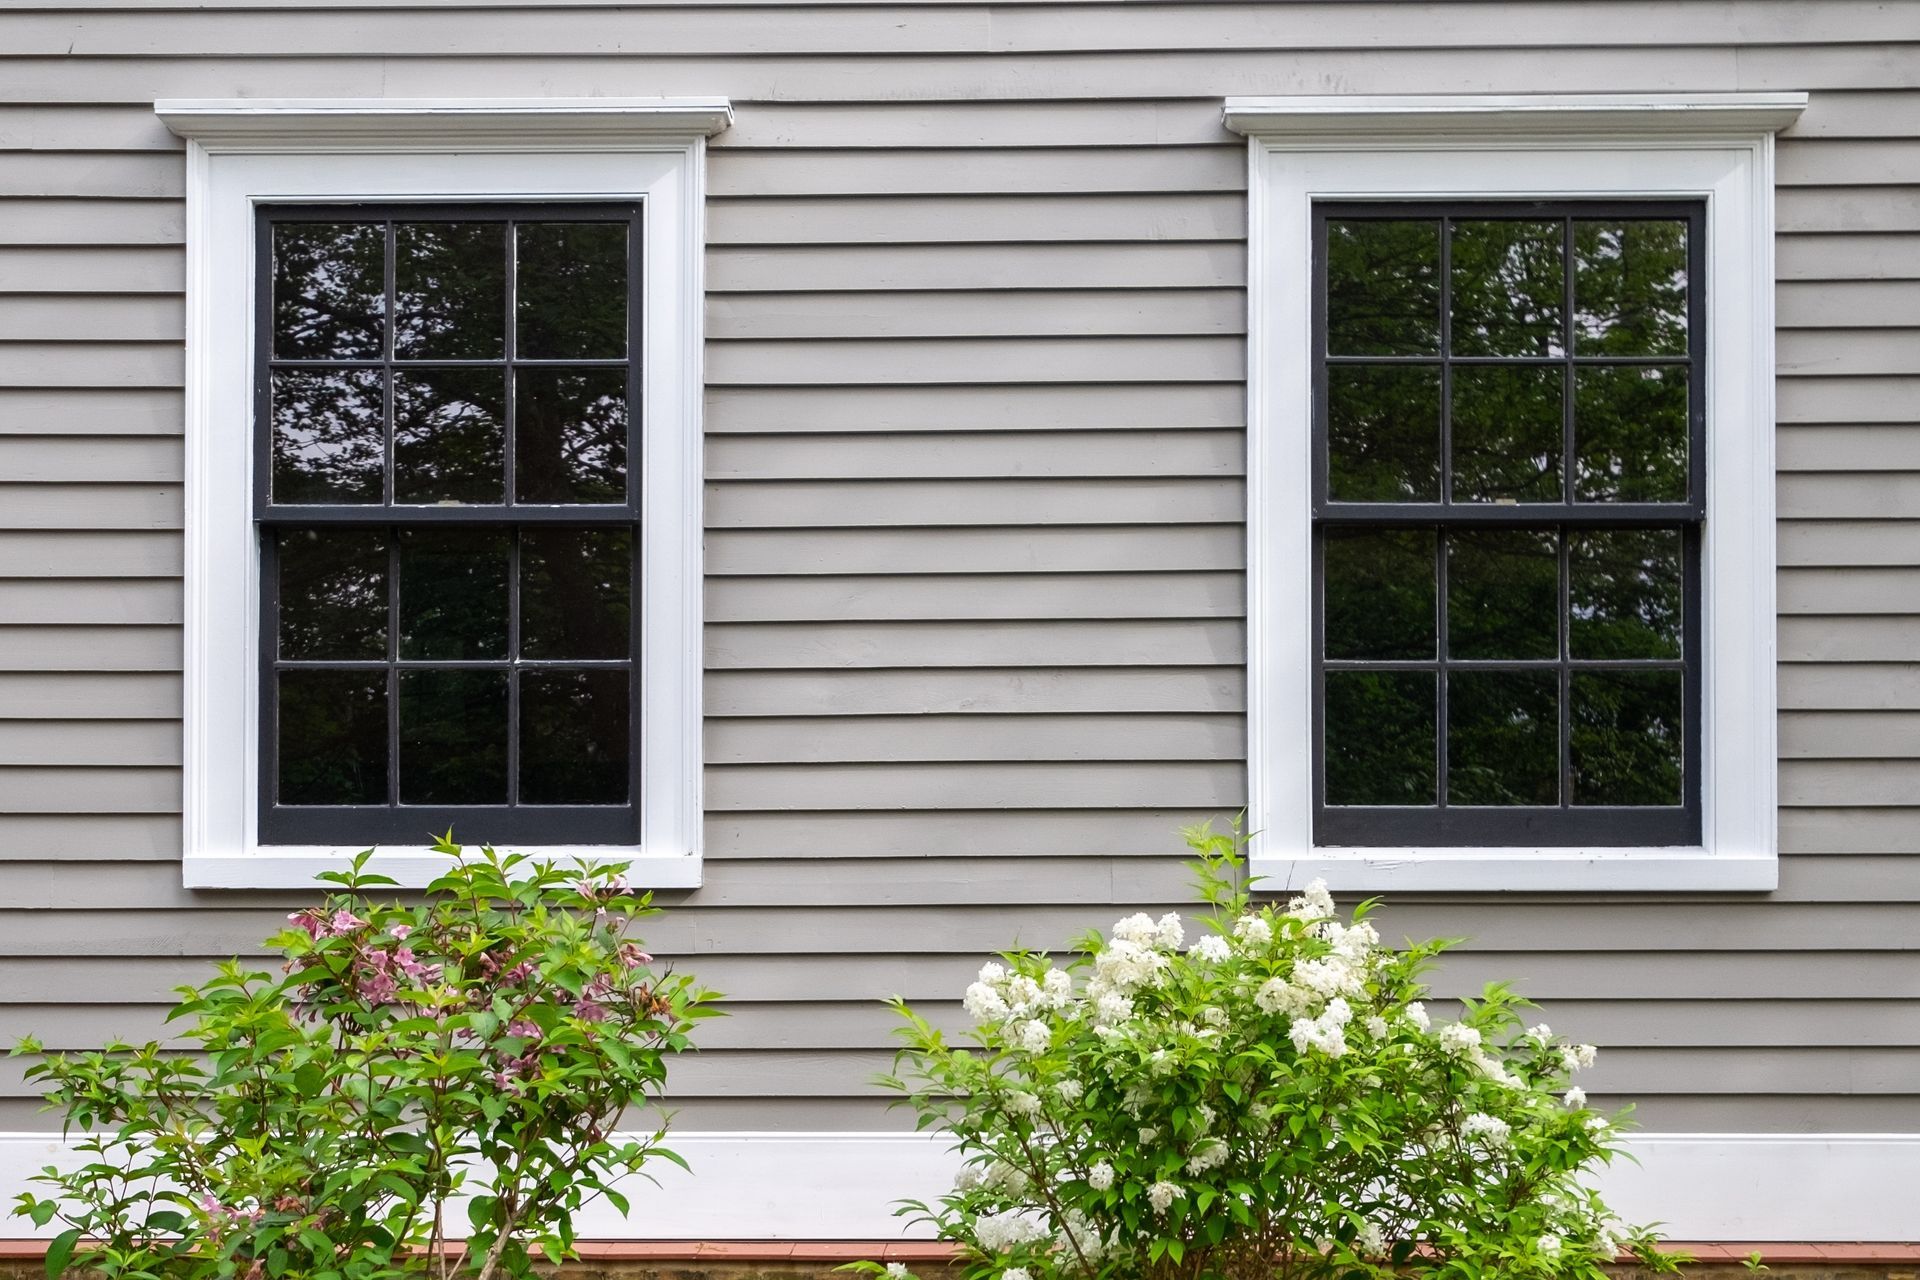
{"x": 1307, "y": 149}
{"x": 441, "y": 124}
{"x": 1463, "y": 119}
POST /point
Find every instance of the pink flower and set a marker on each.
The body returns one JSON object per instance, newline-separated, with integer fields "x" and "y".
{"x": 632, "y": 957}
{"x": 589, "y": 1010}
{"x": 400, "y": 931}
{"x": 525, "y": 1028}
{"x": 378, "y": 986}
{"x": 344, "y": 921}
{"x": 518, "y": 974}
{"x": 309, "y": 921}
{"x": 403, "y": 958}
{"x": 211, "y": 1205}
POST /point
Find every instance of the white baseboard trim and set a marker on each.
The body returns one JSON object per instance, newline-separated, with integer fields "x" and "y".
{"x": 844, "y": 1186}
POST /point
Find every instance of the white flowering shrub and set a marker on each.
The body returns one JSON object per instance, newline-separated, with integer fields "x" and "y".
{"x": 1260, "y": 1092}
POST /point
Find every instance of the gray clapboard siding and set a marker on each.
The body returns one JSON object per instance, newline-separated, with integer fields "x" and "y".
{"x": 1035, "y": 406}
{"x": 90, "y": 410}
{"x": 1051, "y": 643}
{"x": 123, "y": 223}
{"x": 974, "y": 411}
{"x": 148, "y": 601}
{"x": 960, "y": 219}
{"x": 1860, "y": 638}
{"x": 1062, "y": 549}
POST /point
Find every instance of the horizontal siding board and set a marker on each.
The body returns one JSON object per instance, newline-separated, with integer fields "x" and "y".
{"x": 1842, "y": 735}
{"x": 1840, "y": 448}
{"x": 1848, "y": 304}
{"x": 92, "y": 221}
{"x": 1849, "y": 542}
{"x": 1052, "y": 643}
{"x": 1854, "y": 495}
{"x": 90, "y": 742}
{"x": 112, "y": 174}
{"x": 91, "y": 411}
{"x": 46, "y": 695}
{"x": 935, "y": 835}
{"x": 1031, "y": 407}
{"x": 1050, "y": 596}
{"x": 90, "y": 648}
{"x": 48, "y": 789}
{"x": 1849, "y": 401}
{"x": 929, "y": 503}
{"x": 135, "y": 459}
{"x": 937, "y": 690}
{"x": 1834, "y": 783}
{"x": 1853, "y": 163}
{"x": 1884, "y": 830}
{"x": 1856, "y": 686}
{"x": 90, "y": 506}
{"x": 848, "y": 362}
{"x": 92, "y": 318}
{"x": 1056, "y": 218}
{"x": 1854, "y": 353}
{"x": 1850, "y": 590}
{"x": 1825, "y": 638}
{"x": 99, "y": 837}
{"x": 820, "y": 739}
{"x": 1053, "y": 784}
{"x": 783, "y": 269}
{"x": 1059, "y": 313}
{"x": 92, "y": 269}
{"x": 837, "y": 172}
{"x": 1065, "y": 549}
{"x": 1847, "y": 209}
{"x": 93, "y": 553}
{"x": 111, "y": 601}
{"x": 1879, "y": 256}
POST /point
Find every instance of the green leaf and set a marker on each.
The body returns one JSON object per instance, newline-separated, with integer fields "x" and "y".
{"x": 60, "y": 1252}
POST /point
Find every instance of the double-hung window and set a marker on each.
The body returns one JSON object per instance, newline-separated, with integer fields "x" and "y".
{"x": 443, "y": 483}
{"x": 447, "y": 433}
{"x": 1510, "y": 491}
{"x": 1508, "y": 498}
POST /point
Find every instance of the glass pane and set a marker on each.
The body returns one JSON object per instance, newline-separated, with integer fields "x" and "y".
{"x": 571, "y": 280}
{"x": 1503, "y": 594}
{"x": 1630, "y": 288}
{"x": 328, "y": 436}
{"x": 332, "y": 740}
{"x": 576, "y": 589}
{"x": 570, "y": 435}
{"x": 329, "y": 290}
{"x": 1509, "y": 288}
{"x": 1627, "y": 737}
{"x": 1503, "y": 737}
{"x": 1380, "y": 743}
{"x": 1383, "y": 288}
{"x": 453, "y": 737}
{"x": 1383, "y": 433}
{"x": 449, "y": 435}
{"x": 1630, "y": 434}
{"x": 1379, "y": 593}
{"x": 453, "y": 594}
{"x": 450, "y": 290}
{"x": 1507, "y": 433}
{"x": 1625, "y": 593}
{"x": 573, "y": 737}
{"x": 333, "y": 593}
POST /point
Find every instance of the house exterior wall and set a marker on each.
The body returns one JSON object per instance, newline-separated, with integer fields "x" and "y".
{"x": 975, "y": 596}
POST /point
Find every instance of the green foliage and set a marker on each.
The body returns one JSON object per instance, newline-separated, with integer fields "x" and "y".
{"x": 477, "y": 1046}
{"x": 1272, "y": 1102}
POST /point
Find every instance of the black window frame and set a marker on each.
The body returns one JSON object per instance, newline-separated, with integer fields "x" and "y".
{"x": 397, "y": 823}
{"x": 1563, "y": 825}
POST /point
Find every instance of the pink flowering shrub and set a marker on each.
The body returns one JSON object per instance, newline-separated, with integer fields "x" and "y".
{"x": 464, "y": 1058}
{"x": 1257, "y": 1094}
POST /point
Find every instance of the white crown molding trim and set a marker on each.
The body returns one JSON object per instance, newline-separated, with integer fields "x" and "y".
{"x": 1478, "y": 118}
{"x": 414, "y": 124}
{"x": 845, "y": 1186}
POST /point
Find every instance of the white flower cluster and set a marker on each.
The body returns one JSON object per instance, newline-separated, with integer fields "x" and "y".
{"x": 999, "y": 1232}
{"x": 1252, "y": 931}
{"x": 1208, "y": 1153}
{"x": 1161, "y": 1195}
{"x": 1326, "y": 1033}
{"x": 1135, "y": 958}
{"x": 1002, "y": 997}
{"x": 1492, "y": 1129}
{"x": 1212, "y": 949}
{"x": 1100, "y": 1177}
{"x": 1314, "y": 904}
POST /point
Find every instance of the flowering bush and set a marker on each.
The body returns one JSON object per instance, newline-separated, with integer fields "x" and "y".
{"x": 1261, "y": 1094}
{"x": 480, "y": 1044}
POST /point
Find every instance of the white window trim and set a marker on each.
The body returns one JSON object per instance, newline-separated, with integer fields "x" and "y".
{"x": 1664, "y": 146}
{"x": 242, "y": 153}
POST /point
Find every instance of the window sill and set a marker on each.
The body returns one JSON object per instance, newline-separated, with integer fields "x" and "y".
{"x": 295, "y": 866}
{"x": 1518, "y": 870}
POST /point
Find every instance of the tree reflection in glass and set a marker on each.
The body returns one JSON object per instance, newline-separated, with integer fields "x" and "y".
{"x": 453, "y": 593}
{"x": 1630, "y": 433}
{"x": 1503, "y": 737}
{"x": 1628, "y": 737}
{"x": 576, "y": 590}
{"x": 453, "y": 737}
{"x": 333, "y": 593}
{"x": 332, "y": 737}
{"x": 1508, "y": 425}
{"x": 1630, "y": 287}
{"x": 449, "y": 435}
{"x": 573, "y": 737}
{"x": 570, "y": 435}
{"x": 1503, "y": 594}
{"x": 1383, "y": 433}
{"x": 1624, "y": 593}
{"x": 329, "y": 290}
{"x": 571, "y": 282}
{"x": 1379, "y": 747}
{"x": 329, "y": 444}
{"x": 450, "y": 290}
{"x": 1383, "y": 287}
{"x": 1508, "y": 288}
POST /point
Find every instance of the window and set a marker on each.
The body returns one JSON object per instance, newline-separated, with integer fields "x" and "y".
{"x": 1508, "y": 448}
{"x": 443, "y": 483}
{"x": 449, "y": 510}
{"x": 1510, "y": 491}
